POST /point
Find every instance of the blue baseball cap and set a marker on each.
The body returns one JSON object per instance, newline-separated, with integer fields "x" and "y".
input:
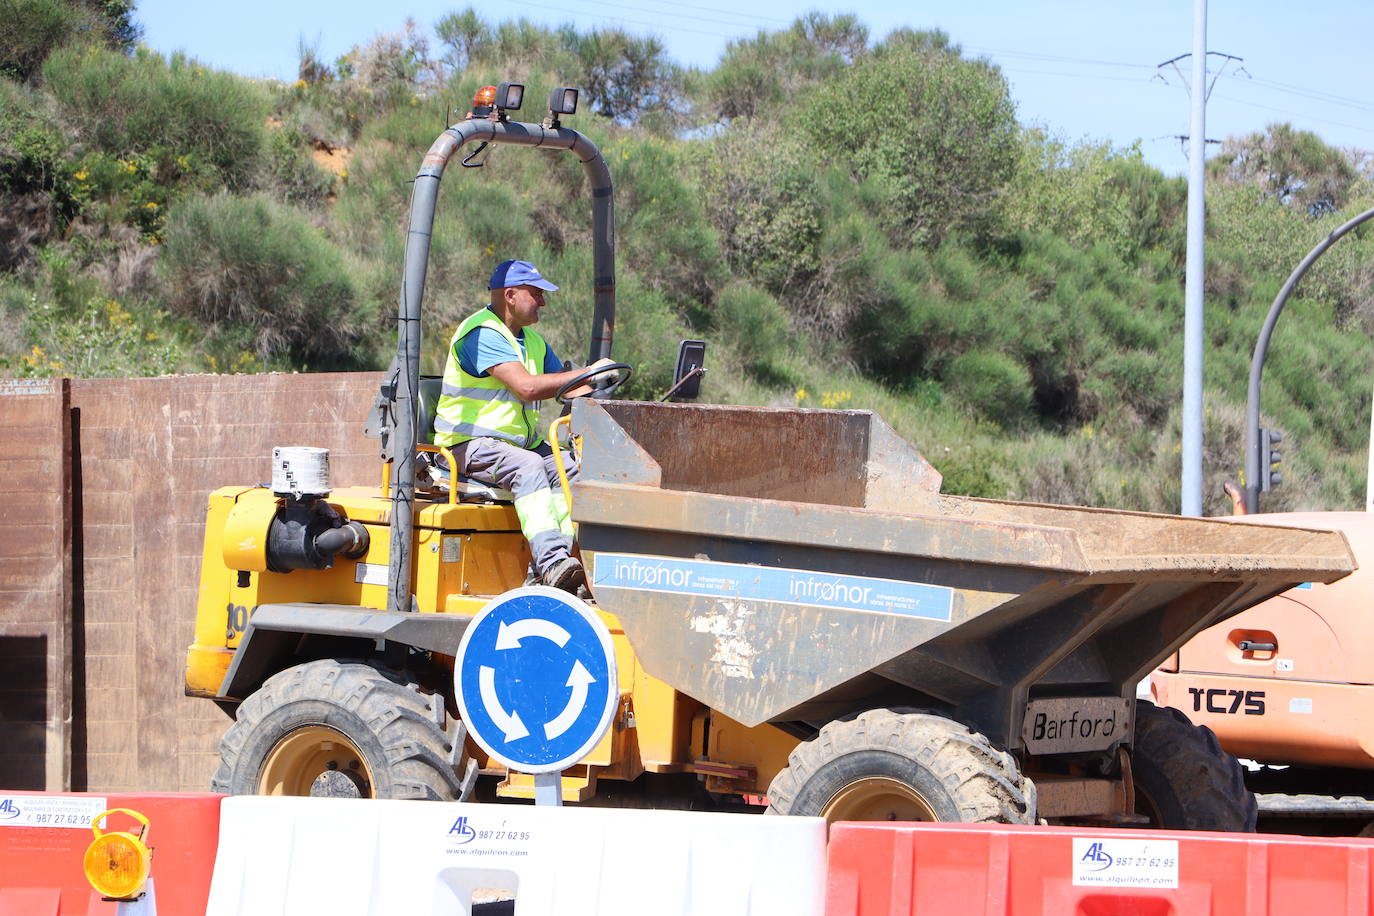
{"x": 518, "y": 273}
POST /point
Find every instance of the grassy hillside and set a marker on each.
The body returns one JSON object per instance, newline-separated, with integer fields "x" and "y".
{"x": 850, "y": 224}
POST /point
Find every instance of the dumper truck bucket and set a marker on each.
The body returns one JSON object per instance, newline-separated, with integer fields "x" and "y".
{"x": 793, "y": 565}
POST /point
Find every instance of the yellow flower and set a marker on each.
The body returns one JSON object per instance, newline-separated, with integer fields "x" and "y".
{"x": 800, "y": 395}
{"x": 343, "y": 173}
{"x": 299, "y": 84}
{"x": 80, "y": 176}
{"x": 150, "y": 205}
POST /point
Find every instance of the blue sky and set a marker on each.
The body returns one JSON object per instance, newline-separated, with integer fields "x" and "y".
{"x": 1082, "y": 69}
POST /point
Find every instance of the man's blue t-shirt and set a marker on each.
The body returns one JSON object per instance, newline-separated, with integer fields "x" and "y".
{"x": 482, "y": 348}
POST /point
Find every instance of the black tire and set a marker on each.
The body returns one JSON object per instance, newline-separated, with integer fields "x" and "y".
{"x": 1183, "y": 779}
{"x": 343, "y": 728}
{"x": 899, "y": 765}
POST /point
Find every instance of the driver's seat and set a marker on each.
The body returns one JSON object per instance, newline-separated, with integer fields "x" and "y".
{"x": 467, "y": 488}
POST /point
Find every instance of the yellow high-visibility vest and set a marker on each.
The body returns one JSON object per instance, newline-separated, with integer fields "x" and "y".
{"x": 470, "y": 406}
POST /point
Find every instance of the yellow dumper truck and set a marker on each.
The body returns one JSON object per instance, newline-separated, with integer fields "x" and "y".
{"x": 800, "y": 619}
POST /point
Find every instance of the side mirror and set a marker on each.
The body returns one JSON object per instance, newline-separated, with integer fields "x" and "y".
{"x": 691, "y": 366}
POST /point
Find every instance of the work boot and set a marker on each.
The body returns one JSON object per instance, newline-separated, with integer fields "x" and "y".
{"x": 567, "y": 574}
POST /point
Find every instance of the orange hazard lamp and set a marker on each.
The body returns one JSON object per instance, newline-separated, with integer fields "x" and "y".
{"x": 117, "y": 863}
{"x": 503, "y": 98}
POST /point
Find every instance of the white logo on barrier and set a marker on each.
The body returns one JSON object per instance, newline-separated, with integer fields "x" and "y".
{"x": 1125, "y": 863}
{"x": 71, "y": 811}
{"x": 469, "y": 837}
{"x": 462, "y": 831}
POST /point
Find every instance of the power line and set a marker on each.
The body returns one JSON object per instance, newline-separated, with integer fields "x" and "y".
{"x": 676, "y": 13}
{"x": 1053, "y": 58}
{"x": 674, "y": 7}
{"x": 656, "y": 26}
{"x": 1316, "y": 95}
{"x": 1298, "y": 114}
{"x": 1082, "y": 76}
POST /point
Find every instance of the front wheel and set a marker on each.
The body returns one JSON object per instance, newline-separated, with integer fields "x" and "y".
{"x": 337, "y": 728}
{"x": 1183, "y": 779}
{"x": 891, "y": 765}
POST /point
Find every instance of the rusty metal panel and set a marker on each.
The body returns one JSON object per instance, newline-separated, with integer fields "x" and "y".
{"x": 35, "y": 584}
{"x": 836, "y": 457}
{"x": 150, "y": 451}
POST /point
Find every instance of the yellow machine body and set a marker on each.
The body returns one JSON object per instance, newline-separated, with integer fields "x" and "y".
{"x": 465, "y": 555}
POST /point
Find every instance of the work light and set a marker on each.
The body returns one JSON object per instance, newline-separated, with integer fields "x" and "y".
{"x": 563, "y": 101}
{"x": 509, "y": 96}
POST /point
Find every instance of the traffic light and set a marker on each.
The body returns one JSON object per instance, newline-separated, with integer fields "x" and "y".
{"x": 1269, "y": 477}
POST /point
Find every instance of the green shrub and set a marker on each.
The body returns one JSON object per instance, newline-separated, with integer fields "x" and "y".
{"x": 757, "y": 328}
{"x": 31, "y": 146}
{"x": 164, "y": 108}
{"x": 663, "y": 234}
{"x": 973, "y": 474}
{"x": 758, "y": 77}
{"x": 766, "y": 204}
{"x": 290, "y": 172}
{"x": 993, "y": 384}
{"x": 951, "y": 155}
{"x": 99, "y": 339}
{"x": 1090, "y": 194}
{"x": 61, "y": 321}
{"x": 256, "y": 268}
{"x": 32, "y": 29}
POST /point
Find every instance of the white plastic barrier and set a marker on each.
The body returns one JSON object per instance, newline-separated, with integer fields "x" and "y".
{"x": 372, "y": 858}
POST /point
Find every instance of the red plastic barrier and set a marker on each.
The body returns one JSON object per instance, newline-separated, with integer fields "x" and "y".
{"x": 989, "y": 870}
{"x": 43, "y": 842}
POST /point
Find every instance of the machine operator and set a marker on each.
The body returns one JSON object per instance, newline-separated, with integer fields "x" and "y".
{"x": 497, "y": 372}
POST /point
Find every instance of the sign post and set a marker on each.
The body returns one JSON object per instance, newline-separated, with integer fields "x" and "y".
{"x": 536, "y": 683}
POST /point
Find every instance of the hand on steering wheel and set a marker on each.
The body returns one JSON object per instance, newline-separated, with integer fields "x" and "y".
{"x": 591, "y": 372}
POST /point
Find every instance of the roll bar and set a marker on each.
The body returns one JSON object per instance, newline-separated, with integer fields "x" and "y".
{"x": 402, "y": 385}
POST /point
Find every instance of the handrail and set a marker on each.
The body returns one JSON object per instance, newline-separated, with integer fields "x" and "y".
{"x": 432, "y": 449}
{"x": 558, "y": 456}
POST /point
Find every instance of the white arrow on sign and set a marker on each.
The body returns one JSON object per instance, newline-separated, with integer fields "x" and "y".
{"x": 509, "y": 723}
{"x": 508, "y": 636}
{"x": 578, "y": 680}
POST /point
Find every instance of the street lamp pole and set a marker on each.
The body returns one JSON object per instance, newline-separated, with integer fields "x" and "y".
{"x": 1195, "y": 277}
{"x": 1252, "y": 400}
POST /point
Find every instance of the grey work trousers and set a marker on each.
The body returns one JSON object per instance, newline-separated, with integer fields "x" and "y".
{"x": 532, "y": 478}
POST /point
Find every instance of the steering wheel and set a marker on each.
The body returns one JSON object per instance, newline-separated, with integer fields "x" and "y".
{"x": 587, "y": 375}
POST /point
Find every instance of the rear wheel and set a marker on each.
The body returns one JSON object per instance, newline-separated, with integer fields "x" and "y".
{"x": 343, "y": 729}
{"x": 890, "y": 765}
{"x": 1183, "y": 779}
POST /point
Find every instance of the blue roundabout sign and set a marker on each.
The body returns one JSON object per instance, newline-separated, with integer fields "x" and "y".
{"x": 535, "y": 679}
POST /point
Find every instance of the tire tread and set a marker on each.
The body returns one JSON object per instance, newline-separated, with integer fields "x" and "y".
{"x": 983, "y": 782}
{"x": 418, "y": 757}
